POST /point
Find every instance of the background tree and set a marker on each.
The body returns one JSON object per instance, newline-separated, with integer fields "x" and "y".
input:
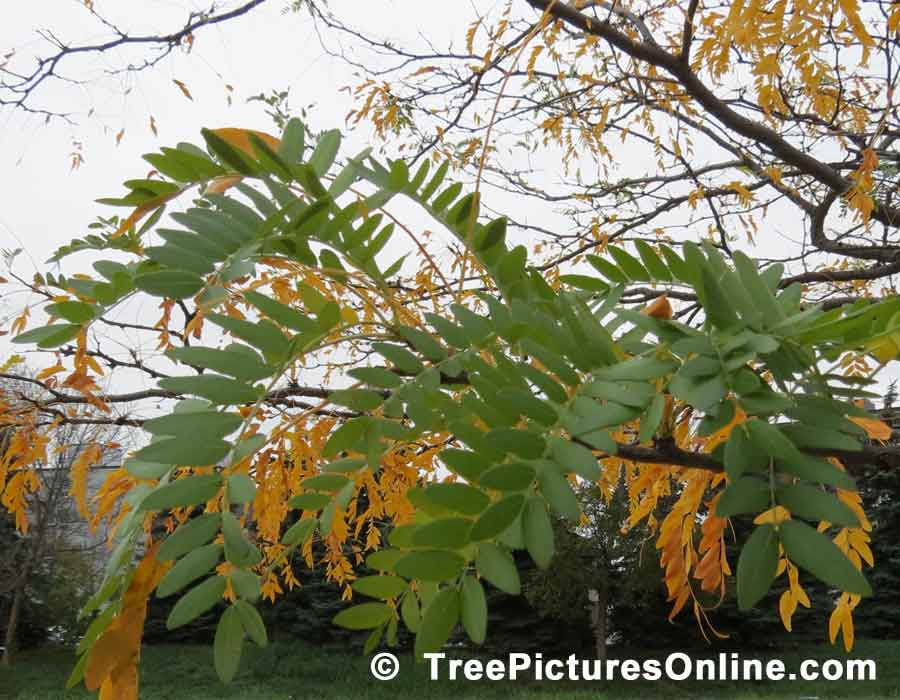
{"x": 600, "y": 554}
{"x": 52, "y": 560}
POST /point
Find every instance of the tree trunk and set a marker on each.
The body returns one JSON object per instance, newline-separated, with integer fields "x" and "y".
{"x": 12, "y": 623}
{"x": 599, "y": 625}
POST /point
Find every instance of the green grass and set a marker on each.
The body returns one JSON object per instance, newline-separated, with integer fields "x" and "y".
{"x": 295, "y": 672}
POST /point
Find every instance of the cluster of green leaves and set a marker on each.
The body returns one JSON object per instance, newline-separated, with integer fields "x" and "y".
{"x": 520, "y": 430}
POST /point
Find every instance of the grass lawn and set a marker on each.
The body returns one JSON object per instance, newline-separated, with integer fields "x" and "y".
{"x": 285, "y": 672}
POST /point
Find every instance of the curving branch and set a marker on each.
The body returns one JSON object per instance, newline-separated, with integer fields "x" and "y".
{"x": 18, "y": 90}
{"x": 758, "y": 132}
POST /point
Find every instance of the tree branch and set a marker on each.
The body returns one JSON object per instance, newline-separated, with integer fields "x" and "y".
{"x": 697, "y": 89}
{"x": 22, "y": 87}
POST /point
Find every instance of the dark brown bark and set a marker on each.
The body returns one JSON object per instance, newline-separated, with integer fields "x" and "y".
{"x": 755, "y": 130}
{"x": 12, "y": 623}
{"x": 599, "y": 623}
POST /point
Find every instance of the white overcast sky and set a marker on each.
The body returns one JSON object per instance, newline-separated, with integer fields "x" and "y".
{"x": 45, "y": 204}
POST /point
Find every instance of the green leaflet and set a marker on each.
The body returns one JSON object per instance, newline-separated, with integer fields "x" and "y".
{"x": 49, "y": 336}
{"x": 498, "y": 567}
{"x": 513, "y": 476}
{"x": 572, "y": 457}
{"x": 444, "y": 533}
{"x": 381, "y": 587}
{"x": 769, "y": 440}
{"x": 238, "y": 361}
{"x": 347, "y": 465}
{"x": 192, "y": 566}
{"x": 175, "y": 284}
{"x": 652, "y": 262}
{"x": 744, "y": 495}
{"x": 810, "y": 502}
{"x": 756, "y": 566}
{"x": 384, "y": 559}
{"x": 189, "y": 491}
{"x": 146, "y": 470}
{"x": 229, "y": 643}
{"x": 430, "y": 565}
{"x": 380, "y": 377}
{"x": 246, "y": 585}
{"x": 261, "y": 334}
{"x": 292, "y": 141}
{"x": 241, "y": 488}
{"x": 469, "y": 465}
{"x": 522, "y": 443}
{"x": 538, "y": 532}
{"x": 457, "y": 497}
{"x": 497, "y": 517}
{"x": 346, "y": 437}
{"x": 200, "y": 451}
{"x": 357, "y": 399}
{"x": 300, "y": 531}
{"x": 409, "y": 611}
{"x": 193, "y": 424}
{"x": 189, "y": 536}
{"x": 474, "y": 609}
{"x": 559, "y": 494}
{"x": 438, "y": 621}
{"x": 285, "y": 315}
{"x": 423, "y": 343}
{"x": 309, "y": 501}
{"x": 628, "y": 264}
{"x": 363, "y": 617}
{"x": 73, "y": 311}
{"x": 196, "y": 602}
{"x": 325, "y": 152}
{"x": 739, "y": 457}
{"x": 238, "y": 550}
{"x": 651, "y": 418}
{"x": 215, "y": 388}
{"x": 402, "y": 358}
{"x": 252, "y": 622}
{"x": 813, "y": 551}
{"x": 329, "y": 483}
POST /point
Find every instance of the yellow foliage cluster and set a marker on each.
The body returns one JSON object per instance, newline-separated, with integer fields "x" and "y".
{"x": 112, "y": 665}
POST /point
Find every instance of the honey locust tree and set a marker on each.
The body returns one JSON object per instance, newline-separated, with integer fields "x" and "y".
{"x": 302, "y": 362}
{"x": 463, "y": 423}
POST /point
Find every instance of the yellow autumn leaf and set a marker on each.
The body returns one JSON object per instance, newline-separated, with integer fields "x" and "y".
{"x": 80, "y": 472}
{"x": 183, "y": 88}
{"x": 894, "y": 20}
{"x": 787, "y": 604}
{"x": 847, "y": 630}
{"x": 773, "y": 516}
{"x": 113, "y": 660}
{"x": 240, "y": 139}
{"x": 659, "y": 308}
{"x": 768, "y": 65}
{"x": 12, "y": 361}
{"x": 875, "y": 429}
{"x": 106, "y": 655}
{"x": 221, "y": 184}
{"x": 121, "y": 684}
{"x": 834, "y": 622}
{"x": 142, "y": 211}
{"x": 349, "y": 316}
